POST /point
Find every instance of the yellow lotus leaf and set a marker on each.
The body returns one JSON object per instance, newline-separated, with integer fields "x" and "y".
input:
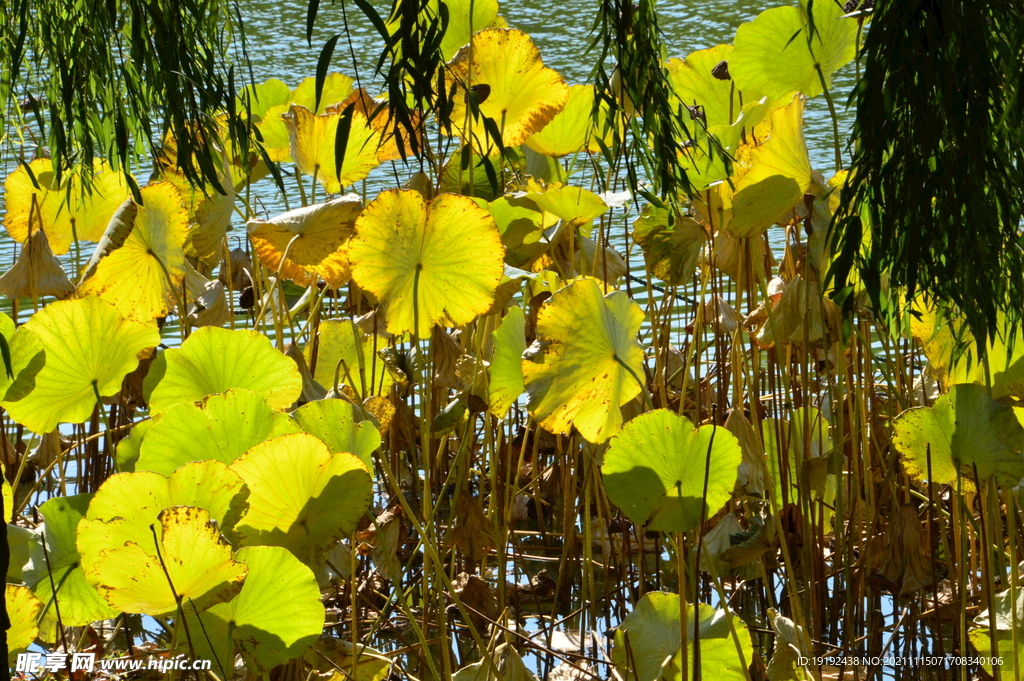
{"x": 771, "y": 176}
{"x": 272, "y": 127}
{"x": 586, "y": 362}
{"x": 36, "y": 273}
{"x": 23, "y": 608}
{"x": 143, "y": 275}
{"x": 343, "y": 349}
{"x": 63, "y": 212}
{"x": 312, "y": 141}
{"x": 573, "y": 205}
{"x": 308, "y": 242}
{"x": 571, "y": 130}
{"x": 510, "y": 84}
{"x": 465, "y": 17}
{"x": 427, "y": 263}
{"x": 89, "y": 349}
{"x": 186, "y": 550}
{"x": 376, "y": 113}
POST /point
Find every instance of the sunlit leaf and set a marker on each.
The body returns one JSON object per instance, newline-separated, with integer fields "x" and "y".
{"x": 337, "y": 87}
{"x": 301, "y": 496}
{"x": 60, "y": 566}
{"x": 671, "y": 251}
{"x": 198, "y": 368}
{"x": 427, "y": 263}
{"x": 223, "y": 428}
{"x": 187, "y": 552}
{"x": 308, "y": 242}
{"x": 63, "y": 212}
{"x": 127, "y": 504}
{"x": 506, "y": 374}
{"x": 344, "y": 351}
{"x": 772, "y": 54}
{"x": 23, "y": 608}
{"x": 513, "y": 88}
{"x": 586, "y": 362}
{"x": 142, "y": 276}
{"x": 336, "y": 423}
{"x": 656, "y": 470}
{"x": 571, "y": 130}
{"x": 693, "y": 84}
{"x": 273, "y": 619}
{"x": 89, "y": 347}
{"x": 648, "y": 645}
{"x": 963, "y": 429}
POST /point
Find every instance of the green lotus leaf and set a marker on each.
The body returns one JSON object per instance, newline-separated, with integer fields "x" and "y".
{"x": 127, "y": 504}
{"x": 273, "y": 619}
{"x": 648, "y": 645}
{"x": 58, "y": 569}
{"x": 27, "y": 358}
{"x": 654, "y": 470}
{"x": 23, "y": 608}
{"x": 437, "y": 262}
{"x": 335, "y": 423}
{"x": 694, "y": 85}
{"x": 1007, "y": 620}
{"x": 20, "y": 541}
{"x": 506, "y": 373}
{"x": 801, "y": 445}
{"x": 575, "y": 206}
{"x": 963, "y": 429}
{"x": 776, "y": 53}
{"x": 223, "y": 428}
{"x": 586, "y": 362}
{"x": 185, "y": 549}
{"x": 343, "y": 349}
{"x": 214, "y": 360}
{"x": 302, "y": 496}
{"x": 129, "y": 448}
{"x": 89, "y": 349}
{"x": 259, "y": 98}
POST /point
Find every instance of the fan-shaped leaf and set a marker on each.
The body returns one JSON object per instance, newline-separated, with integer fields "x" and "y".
{"x": 224, "y": 428}
{"x": 302, "y": 497}
{"x": 142, "y": 276}
{"x": 214, "y": 360}
{"x": 308, "y": 242}
{"x": 504, "y": 74}
{"x": 187, "y": 557}
{"x": 335, "y": 423}
{"x": 89, "y": 347}
{"x": 506, "y": 384}
{"x": 655, "y": 470}
{"x": 586, "y": 363}
{"x": 427, "y": 263}
{"x": 571, "y": 130}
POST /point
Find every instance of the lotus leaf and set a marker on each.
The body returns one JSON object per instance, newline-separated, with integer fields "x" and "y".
{"x": 502, "y": 71}
{"x": 63, "y": 212}
{"x": 575, "y": 206}
{"x": 586, "y": 362}
{"x": 963, "y": 429}
{"x": 89, "y": 347}
{"x": 337, "y": 87}
{"x": 301, "y": 496}
{"x": 185, "y": 550}
{"x": 127, "y": 504}
{"x": 59, "y": 567}
{"x": 694, "y": 85}
{"x": 504, "y": 664}
{"x": 273, "y": 619}
{"x": 142, "y": 276}
{"x": 654, "y": 653}
{"x": 308, "y": 242}
{"x": 214, "y": 360}
{"x": 335, "y": 423}
{"x": 36, "y": 273}
{"x": 23, "y": 609}
{"x": 671, "y": 251}
{"x": 572, "y": 129}
{"x": 506, "y": 373}
{"x": 427, "y": 263}
{"x": 224, "y": 428}
{"x": 777, "y": 52}
{"x": 1008, "y": 622}
{"x": 655, "y": 470}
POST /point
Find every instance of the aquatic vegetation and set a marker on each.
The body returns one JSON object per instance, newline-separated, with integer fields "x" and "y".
{"x": 491, "y": 392}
